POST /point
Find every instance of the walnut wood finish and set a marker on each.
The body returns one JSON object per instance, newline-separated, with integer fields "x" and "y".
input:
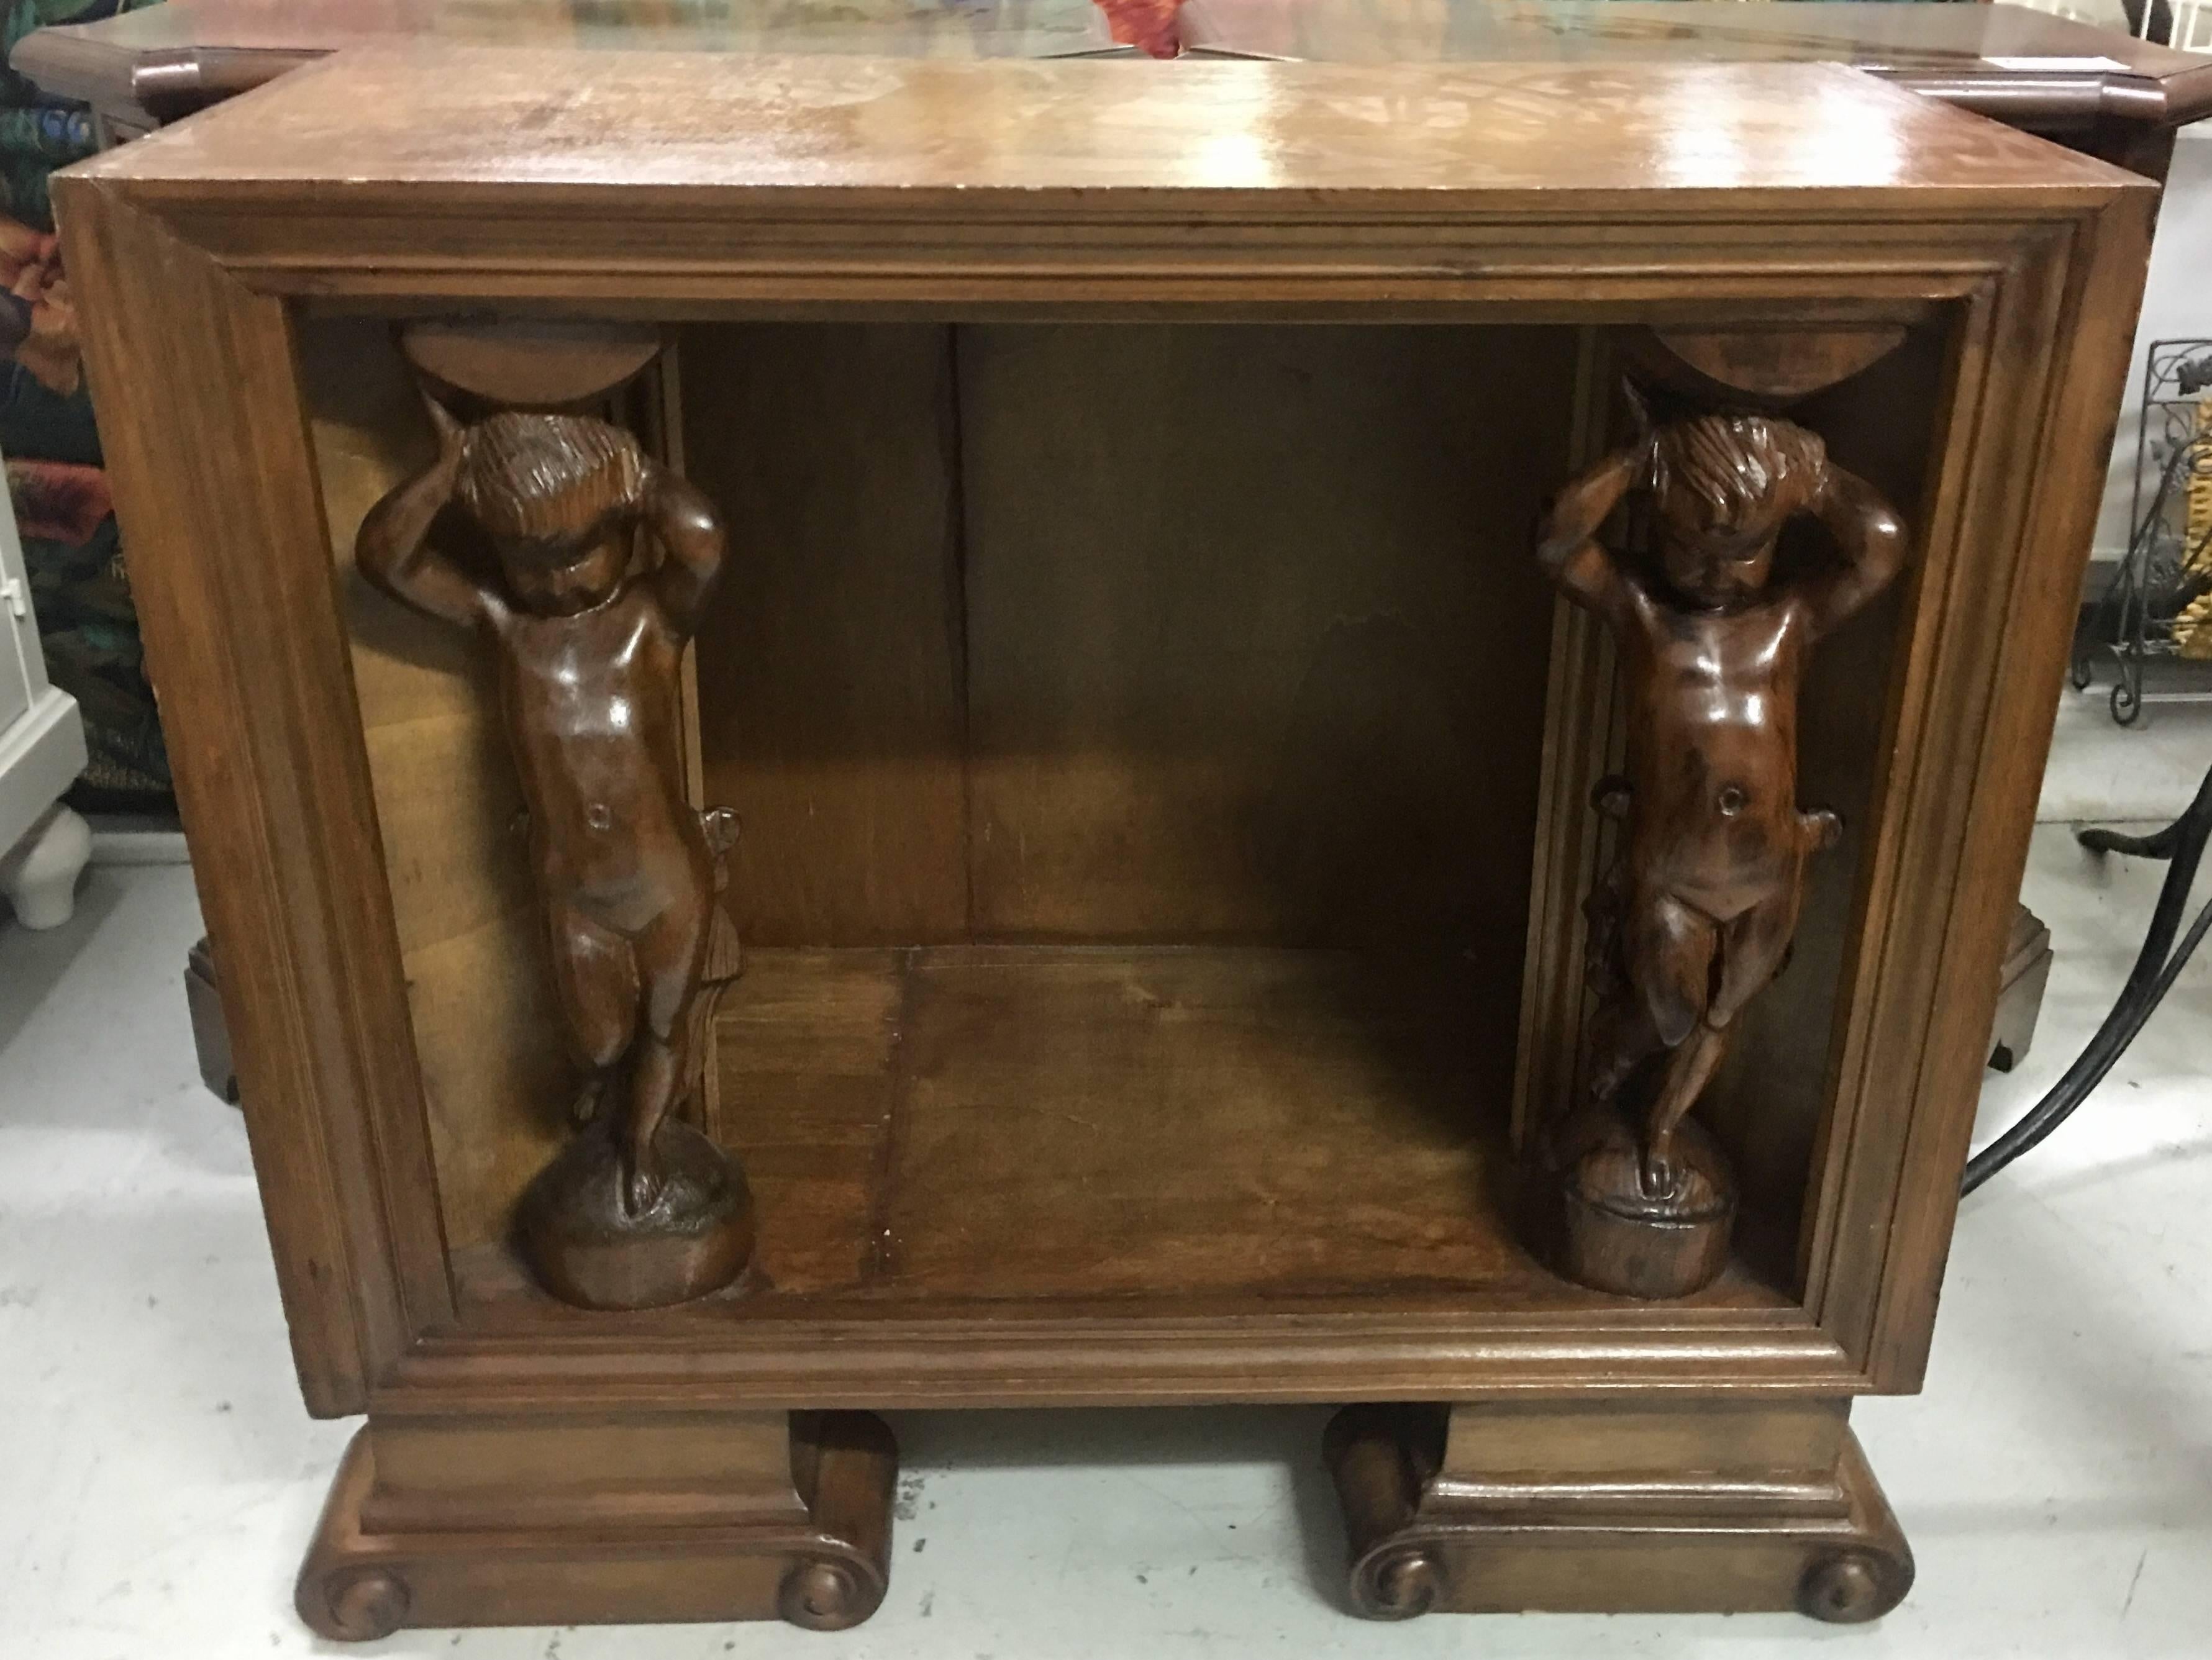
{"x": 2019, "y": 990}
{"x": 210, "y": 1036}
{"x": 2096, "y": 88}
{"x": 445, "y": 805}
{"x": 531, "y": 363}
{"x": 1601, "y": 1506}
{"x": 1750, "y": 369}
{"x": 555, "y": 1519}
{"x": 1286, "y": 1089}
{"x": 1565, "y": 202}
{"x": 600, "y": 565}
{"x": 1697, "y": 911}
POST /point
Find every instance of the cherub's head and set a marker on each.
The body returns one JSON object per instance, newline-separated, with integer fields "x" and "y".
{"x": 1724, "y": 485}
{"x": 557, "y": 495}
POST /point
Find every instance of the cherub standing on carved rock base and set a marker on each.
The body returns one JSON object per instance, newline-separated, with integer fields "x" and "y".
{"x": 1697, "y": 917}
{"x": 605, "y": 563}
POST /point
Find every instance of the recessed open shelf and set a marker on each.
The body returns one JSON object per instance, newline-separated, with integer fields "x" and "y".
{"x": 1044, "y": 1127}
{"x": 1139, "y": 733}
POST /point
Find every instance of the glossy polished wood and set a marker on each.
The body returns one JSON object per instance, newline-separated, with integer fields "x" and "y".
{"x": 427, "y": 123}
{"x": 480, "y": 240}
{"x": 1287, "y": 1089}
{"x": 1615, "y": 1506}
{"x": 439, "y": 1522}
{"x": 226, "y": 261}
{"x": 2020, "y": 65}
{"x": 602, "y": 566}
{"x": 2014, "y": 63}
{"x": 1697, "y": 913}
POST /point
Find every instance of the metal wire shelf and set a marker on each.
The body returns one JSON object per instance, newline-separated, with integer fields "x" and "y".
{"x": 2167, "y": 567}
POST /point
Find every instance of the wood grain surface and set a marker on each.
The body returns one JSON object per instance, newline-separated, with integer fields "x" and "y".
{"x": 515, "y": 119}
{"x": 1032, "y": 1127}
{"x": 1252, "y": 653}
{"x": 2027, "y": 67}
{"x": 681, "y": 189}
{"x": 832, "y": 678}
{"x": 496, "y": 1073}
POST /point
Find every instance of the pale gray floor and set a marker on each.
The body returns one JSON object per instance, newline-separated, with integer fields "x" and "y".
{"x": 158, "y": 1477}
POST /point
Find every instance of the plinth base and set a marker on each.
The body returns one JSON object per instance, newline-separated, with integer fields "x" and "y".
{"x": 703, "y": 1517}
{"x": 1613, "y": 1508}
{"x": 1616, "y": 1238}
{"x": 586, "y": 1246}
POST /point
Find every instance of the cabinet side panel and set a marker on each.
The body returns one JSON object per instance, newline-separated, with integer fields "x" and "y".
{"x": 1583, "y": 740}
{"x": 2063, "y": 332}
{"x": 1768, "y": 1102}
{"x": 488, "y": 1034}
{"x": 214, "y": 489}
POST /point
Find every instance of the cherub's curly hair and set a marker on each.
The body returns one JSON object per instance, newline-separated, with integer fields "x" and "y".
{"x": 1734, "y": 463}
{"x": 527, "y": 477}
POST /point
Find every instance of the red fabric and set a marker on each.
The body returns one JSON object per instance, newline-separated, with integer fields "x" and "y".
{"x": 58, "y": 501}
{"x": 37, "y": 324}
{"x": 1147, "y": 25}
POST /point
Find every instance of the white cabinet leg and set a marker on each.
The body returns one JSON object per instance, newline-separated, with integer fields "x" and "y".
{"x": 39, "y": 875}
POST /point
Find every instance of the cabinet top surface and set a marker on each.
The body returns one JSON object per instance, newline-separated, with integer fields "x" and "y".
{"x": 2026, "y": 68}
{"x": 442, "y": 115}
{"x": 1874, "y": 33}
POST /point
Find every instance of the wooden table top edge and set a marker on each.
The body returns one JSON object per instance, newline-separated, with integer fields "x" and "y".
{"x": 97, "y": 62}
{"x": 224, "y": 153}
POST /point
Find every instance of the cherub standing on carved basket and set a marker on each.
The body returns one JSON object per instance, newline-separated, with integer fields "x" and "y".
{"x": 1695, "y": 917}
{"x": 601, "y": 564}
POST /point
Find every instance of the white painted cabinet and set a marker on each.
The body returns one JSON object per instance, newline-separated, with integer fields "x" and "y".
{"x": 42, "y": 845}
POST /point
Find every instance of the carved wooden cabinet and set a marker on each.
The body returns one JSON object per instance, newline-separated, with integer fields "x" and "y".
{"x": 1164, "y": 804}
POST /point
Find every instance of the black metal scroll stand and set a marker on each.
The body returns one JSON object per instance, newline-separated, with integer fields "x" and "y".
{"x": 2156, "y": 966}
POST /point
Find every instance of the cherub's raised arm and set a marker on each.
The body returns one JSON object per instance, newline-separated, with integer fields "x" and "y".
{"x": 1567, "y": 547}
{"x": 1870, "y": 539}
{"x": 393, "y": 549}
{"x": 692, "y": 547}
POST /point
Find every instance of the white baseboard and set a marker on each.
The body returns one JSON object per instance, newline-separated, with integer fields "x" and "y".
{"x": 136, "y": 839}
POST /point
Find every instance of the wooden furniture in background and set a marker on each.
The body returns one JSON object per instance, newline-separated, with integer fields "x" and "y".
{"x": 2089, "y": 89}
{"x": 1165, "y": 777}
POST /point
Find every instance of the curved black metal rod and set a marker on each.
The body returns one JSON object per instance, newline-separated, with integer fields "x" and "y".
{"x": 2159, "y": 845}
{"x": 2153, "y": 976}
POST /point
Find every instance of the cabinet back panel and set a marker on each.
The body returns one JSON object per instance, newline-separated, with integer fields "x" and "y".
{"x": 830, "y": 703}
{"x": 1128, "y": 632}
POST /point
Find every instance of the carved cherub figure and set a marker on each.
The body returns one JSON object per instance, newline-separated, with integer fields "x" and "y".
{"x": 605, "y": 562}
{"x": 1712, "y": 649}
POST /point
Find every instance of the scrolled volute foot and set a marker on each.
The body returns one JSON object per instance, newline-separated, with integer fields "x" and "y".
{"x": 363, "y": 1605}
{"x": 1849, "y": 1587}
{"x": 828, "y": 1593}
{"x": 1398, "y": 1582}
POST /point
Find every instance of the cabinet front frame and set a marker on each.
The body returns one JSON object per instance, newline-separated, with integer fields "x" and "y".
{"x": 199, "y": 286}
